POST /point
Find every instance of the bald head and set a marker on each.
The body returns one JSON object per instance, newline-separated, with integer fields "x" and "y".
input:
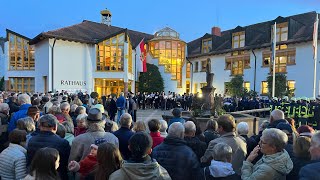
{"x": 276, "y": 115}
{"x": 190, "y": 129}
{"x": 176, "y": 130}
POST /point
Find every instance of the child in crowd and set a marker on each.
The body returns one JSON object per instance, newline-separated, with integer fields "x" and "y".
{"x": 87, "y": 165}
{"x": 81, "y": 125}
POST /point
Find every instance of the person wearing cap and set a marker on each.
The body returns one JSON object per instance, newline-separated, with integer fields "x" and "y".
{"x": 81, "y": 144}
{"x": 110, "y": 125}
{"x": 47, "y": 137}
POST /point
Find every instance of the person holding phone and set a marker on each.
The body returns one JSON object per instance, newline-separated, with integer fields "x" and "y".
{"x": 275, "y": 162}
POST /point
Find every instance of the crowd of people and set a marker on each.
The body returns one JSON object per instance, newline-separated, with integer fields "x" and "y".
{"x": 47, "y": 136}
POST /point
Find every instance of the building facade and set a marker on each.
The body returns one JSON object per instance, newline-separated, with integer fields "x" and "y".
{"x": 100, "y": 57}
{"x": 246, "y": 51}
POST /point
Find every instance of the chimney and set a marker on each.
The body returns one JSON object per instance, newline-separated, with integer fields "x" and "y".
{"x": 216, "y": 31}
{"x": 106, "y": 17}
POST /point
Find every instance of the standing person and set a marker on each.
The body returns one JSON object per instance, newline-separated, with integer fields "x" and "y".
{"x": 176, "y": 157}
{"x": 124, "y": 134}
{"x": 113, "y": 108}
{"x": 25, "y": 103}
{"x": 4, "y": 119}
{"x": 109, "y": 160}
{"x": 141, "y": 165}
{"x": 14, "y": 107}
{"x": 44, "y": 165}
{"x": 154, "y": 127}
{"x": 121, "y": 105}
{"x": 275, "y": 162}
{"x": 198, "y": 147}
{"x": 227, "y": 129}
{"x": 221, "y": 167}
{"x": 311, "y": 171}
{"x": 81, "y": 144}
{"x": 211, "y": 131}
{"x": 132, "y": 107}
{"x": 13, "y": 158}
{"x": 47, "y": 138}
{"x": 176, "y": 112}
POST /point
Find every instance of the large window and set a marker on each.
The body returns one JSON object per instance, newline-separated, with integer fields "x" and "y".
{"x": 187, "y": 87}
{"x": 284, "y": 57}
{"x": 130, "y": 70}
{"x": 246, "y": 86}
{"x": 282, "y": 32}
{"x": 188, "y": 70}
{"x": 291, "y": 84}
{"x": 206, "y": 45}
{"x": 237, "y": 63}
{"x": 21, "y": 84}
{"x": 110, "y": 54}
{"x": 108, "y": 86}
{"x": 21, "y": 53}
{"x": 264, "y": 87}
{"x": 238, "y": 39}
{"x": 171, "y": 55}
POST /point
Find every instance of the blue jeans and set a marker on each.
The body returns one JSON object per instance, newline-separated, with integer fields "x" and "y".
{"x": 120, "y": 112}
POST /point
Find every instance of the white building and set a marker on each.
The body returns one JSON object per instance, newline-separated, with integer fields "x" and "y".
{"x": 99, "y": 57}
{"x": 235, "y": 52}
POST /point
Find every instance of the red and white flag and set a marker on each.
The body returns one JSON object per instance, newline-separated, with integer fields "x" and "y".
{"x": 315, "y": 37}
{"x": 142, "y": 54}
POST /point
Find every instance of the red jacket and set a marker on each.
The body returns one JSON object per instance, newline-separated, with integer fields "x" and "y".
{"x": 87, "y": 165}
{"x": 157, "y": 139}
{"x": 78, "y": 131}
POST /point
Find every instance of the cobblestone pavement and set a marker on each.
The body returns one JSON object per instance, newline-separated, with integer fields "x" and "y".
{"x": 148, "y": 114}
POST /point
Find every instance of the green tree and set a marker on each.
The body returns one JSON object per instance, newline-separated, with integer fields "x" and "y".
{"x": 151, "y": 81}
{"x": 235, "y": 86}
{"x": 280, "y": 85}
{"x": 2, "y": 84}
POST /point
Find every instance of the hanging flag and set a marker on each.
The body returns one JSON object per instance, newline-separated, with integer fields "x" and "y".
{"x": 142, "y": 53}
{"x": 315, "y": 37}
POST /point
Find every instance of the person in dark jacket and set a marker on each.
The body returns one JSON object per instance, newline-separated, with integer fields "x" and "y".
{"x": 47, "y": 138}
{"x": 198, "y": 147}
{"x": 113, "y": 108}
{"x": 221, "y": 167}
{"x": 14, "y": 107}
{"x": 176, "y": 157}
{"x": 121, "y": 105}
{"x": 311, "y": 171}
{"x": 176, "y": 112}
{"x": 25, "y": 103}
{"x": 276, "y": 117}
{"x": 301, "y": 156}
{"x": 124, "y": 134}
{"x": 211, "y": 131}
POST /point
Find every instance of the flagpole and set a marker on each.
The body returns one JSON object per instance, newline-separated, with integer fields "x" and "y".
{"x": 274, "y": 58}
{"x": 315, "y": 44}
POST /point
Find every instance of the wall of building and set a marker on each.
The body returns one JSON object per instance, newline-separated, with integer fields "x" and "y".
{"x": 2, "y": 62}
{"x": 42, "y": 66}
{"x": 71, "y": 70}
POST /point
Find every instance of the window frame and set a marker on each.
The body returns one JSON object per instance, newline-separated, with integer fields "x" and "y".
{"x": 237, "y": 39}
{"x": 196, "y": 66}
{"x": 29, "y": 81}
{"x": 203, "y": 66}
{"x": 281, "y": 31}
{"x": 206, "y": 45}
{"x": 245, "y": 85}
{"x": 188, "y": 70}
{"x": 264, "y": 88}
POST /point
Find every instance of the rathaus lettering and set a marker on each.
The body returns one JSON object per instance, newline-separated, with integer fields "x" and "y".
{"x": 73, "y": 83}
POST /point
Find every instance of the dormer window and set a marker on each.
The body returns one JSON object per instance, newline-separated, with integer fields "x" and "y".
{"x": 206, "y": 45}
{"x": 238, "y": 39}
{"x": 282, "y": 32}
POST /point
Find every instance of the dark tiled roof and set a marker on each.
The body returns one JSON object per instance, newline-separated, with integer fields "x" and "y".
{"x": 257, "y": 35}
{"x": 91, "y": 33}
